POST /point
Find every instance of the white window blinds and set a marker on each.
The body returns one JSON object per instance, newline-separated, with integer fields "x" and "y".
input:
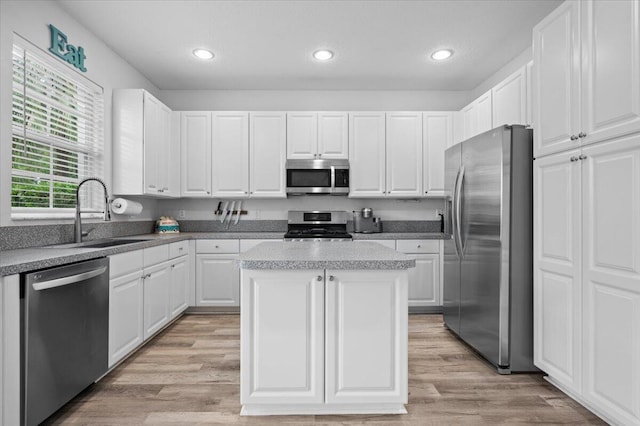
{"x": 57, "y": 136}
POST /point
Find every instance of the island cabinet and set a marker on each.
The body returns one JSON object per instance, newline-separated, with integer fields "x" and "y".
{"x": 323, "y": 341}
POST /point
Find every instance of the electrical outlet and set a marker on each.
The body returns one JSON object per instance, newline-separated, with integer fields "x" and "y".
{"x": 182, "y": 214}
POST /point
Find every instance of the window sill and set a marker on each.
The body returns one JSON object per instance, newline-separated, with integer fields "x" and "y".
{"x": 53, "y": 216}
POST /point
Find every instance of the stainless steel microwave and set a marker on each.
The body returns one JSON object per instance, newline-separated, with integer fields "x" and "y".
{"x": 317, "y": 177}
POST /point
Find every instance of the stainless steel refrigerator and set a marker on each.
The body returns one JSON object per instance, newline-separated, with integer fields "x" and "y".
{"x": 488, "y": 264}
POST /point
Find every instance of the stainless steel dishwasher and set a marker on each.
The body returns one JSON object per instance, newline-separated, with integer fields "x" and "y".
{"x": 64, "y": 339}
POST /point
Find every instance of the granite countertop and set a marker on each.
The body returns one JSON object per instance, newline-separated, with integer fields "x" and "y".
{"x": 323, "y": 255}
{"x": 34, "y": 258}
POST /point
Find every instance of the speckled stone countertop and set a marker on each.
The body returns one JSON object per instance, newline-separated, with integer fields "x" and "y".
{"x": 34, "y": 258}
{"x": 323, "y": 255}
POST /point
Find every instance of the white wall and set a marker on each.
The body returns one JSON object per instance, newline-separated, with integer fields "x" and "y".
{"x": 314, "y": 100}
{"x": 387, "y": 209}
{"x": 30, "y": 20}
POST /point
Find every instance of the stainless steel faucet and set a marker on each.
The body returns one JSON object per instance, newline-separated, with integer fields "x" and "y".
{"x": 78, "y": 222}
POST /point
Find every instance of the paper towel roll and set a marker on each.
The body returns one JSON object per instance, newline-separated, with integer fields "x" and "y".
{"x": 122, "y": 206}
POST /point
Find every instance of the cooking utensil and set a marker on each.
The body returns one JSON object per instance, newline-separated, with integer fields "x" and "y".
{"x": 239, "y": 211}
{"x": 230, "y": 213}
{"x": 223, "y": 214}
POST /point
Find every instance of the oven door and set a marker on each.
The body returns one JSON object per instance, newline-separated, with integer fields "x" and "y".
{"x": 309, "y": 181}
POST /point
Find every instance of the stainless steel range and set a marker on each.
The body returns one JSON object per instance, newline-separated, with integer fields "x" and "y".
{"x": 317, "y": 226}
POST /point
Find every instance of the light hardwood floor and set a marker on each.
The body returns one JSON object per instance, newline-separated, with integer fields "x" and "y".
{"x": 189, "y": 374}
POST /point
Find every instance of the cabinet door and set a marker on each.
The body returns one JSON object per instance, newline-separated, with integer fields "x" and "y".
{"x": 174, "y": 165}
{"x": 302, "y": 135}
{"x": 611, "y": 277}
{"x": 217, "y": 280}
{"x": 424, "y": 281}
{"x": 230, "y": 153}
{"x": 268, "y": 151}
{"x": 179, "y": 298}
{"x": 557, "y": 268}
{"x": 469, "y": 121}
{"x": 126, "y": 309}
{"x": 366, "y": 367}
{"x": 153, "y": 145}
{"x": 367, "y": 154}
{"x": 484, "y": 108}
{"x": 509, "y": 100}
{"x": 437, "y": 137}
{"x": 556, "y": 111}
{"x": 283, "y": 353}
{"x": 610, "y": 69}
{"x": 195, "y": 141}
{"x": 157, "y": 283}
{"x": 404, "y": 154}
{"x": 333, "y": 135}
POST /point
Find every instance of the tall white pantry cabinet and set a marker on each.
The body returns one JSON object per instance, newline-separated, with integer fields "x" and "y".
{"x": 587, "y": 204}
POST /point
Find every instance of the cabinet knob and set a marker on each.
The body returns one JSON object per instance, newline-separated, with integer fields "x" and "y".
{"x": 419, "y": 245}
{"x": 331, "y": 278}
{"x": 319, "y": 278}
{"x": 582, "y": 135}
{"x": 217, "y": 246}
{"x": 582, "y": 157}
{"x": 319, "y": 155}
{"x": 574, "y": 158}
{"x": 208, "y": 192}
{"x": 574, "y": 137}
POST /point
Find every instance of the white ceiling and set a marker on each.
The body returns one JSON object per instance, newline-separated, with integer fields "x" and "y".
{"x": 267, "y": 45}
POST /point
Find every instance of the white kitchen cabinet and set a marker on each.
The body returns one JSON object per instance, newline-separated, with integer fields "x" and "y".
{"x": 333, "y": 135}
{"x": 157, "y": 285}
{"x": 230, "y": 154}
{"x": 195, "y": 143}
{"x": 342, "y": 355}
{"x": 217, "y": 273}
{"x": 141, "y": 145}
{"x": 179, "y": 291}
{"x": 477, "y": 116}
{"x": 366, "y": 367}
{"x": 10, "y": 331}
{"x": 267, "y": 151}
{"x": 437, "y": 136}
{"x": 283, "y": 309}
{"x": 387, "y": 243}
{"x": 509, "y": 100}
{"x": 529, "y": 84}
{"x": 173, "y": 172}
{"x": 404, "y": 154}
{"x": 317, "y": 135}
{"x": 367, "y": 157}
{"x": 587, "y": 275}
{"x": 126, "y": 307}
{"x": 586, "y": 74}
{"x": 425, "y": 287}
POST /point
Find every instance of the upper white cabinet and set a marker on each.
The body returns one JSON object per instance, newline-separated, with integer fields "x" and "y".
{"x": 267, "y": 154}
{"x": 367, "y": 159}
{"x": 509, "y": 99}
{"x": 586, "y": 74}
{"x": 195, "y": 140}
{"x": 230, "y": 154}
{"x": 317, "y": 135}
{"x": 477, "y": 116}
{"x": 142, "y": 145}
{"x": 404, "y": 154}
{"x": 437, "y": 136}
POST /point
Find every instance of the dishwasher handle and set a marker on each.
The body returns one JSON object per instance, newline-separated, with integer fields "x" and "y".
{"x": 71, "y": 279}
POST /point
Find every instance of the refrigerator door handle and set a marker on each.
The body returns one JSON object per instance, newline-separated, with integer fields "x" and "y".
{"x": 458, "y": 214}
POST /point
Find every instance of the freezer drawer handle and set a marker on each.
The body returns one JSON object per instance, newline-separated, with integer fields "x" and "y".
{"x": 59, "y": 282}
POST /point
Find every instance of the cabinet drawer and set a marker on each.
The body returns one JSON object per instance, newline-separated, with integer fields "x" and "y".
{"x": 249, "y": 244}
{"x": 178, "y": 249}
{"x": 418, "y": 246}
{"x": 387, "y": 243}
{"x": 217, "y": 246}
{"x": 157, "y": 254}
{"x": 125, "y": 263}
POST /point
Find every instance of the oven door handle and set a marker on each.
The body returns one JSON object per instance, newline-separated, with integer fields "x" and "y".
{"x": 71, "y": 279}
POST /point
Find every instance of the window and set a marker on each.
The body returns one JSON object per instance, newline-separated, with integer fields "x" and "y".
{"x": 57, "y": 136}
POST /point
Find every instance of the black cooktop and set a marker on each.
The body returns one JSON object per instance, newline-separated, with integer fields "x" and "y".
{"x": 317, "y": 233}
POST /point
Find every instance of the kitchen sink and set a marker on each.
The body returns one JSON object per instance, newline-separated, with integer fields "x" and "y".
{"x": 107, "y": 242}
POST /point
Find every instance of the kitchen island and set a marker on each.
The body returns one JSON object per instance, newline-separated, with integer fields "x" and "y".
{"x": 323, "y": 329}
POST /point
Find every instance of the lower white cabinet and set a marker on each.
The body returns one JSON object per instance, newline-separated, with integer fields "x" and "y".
{"x": 157, "y": 281}
{"x": 179, "y": 297}
{"x": 425, "y": 284}
{"x": 217, "y": 280}
{"x": 125, "y": 315}
{"x": 323, "y": 341}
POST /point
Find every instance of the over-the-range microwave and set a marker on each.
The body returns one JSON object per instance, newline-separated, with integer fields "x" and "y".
{"x": 317, "y": 177}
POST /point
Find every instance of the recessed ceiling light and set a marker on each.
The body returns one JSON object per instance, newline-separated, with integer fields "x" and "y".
{"x": 441, "y": 55}
{"x": 323, "y": 55}
{"x": 202, "y": 54}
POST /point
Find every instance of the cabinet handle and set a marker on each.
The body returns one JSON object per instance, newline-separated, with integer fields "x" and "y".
{"x": 208, "y": 192}
{"x": 574, "y": 137}
{"x": 574, "y": 158}
{"x": 173, "y": 266}
{"x": 331, "y": 278}
{"x": 582, "y": 157}
{"x": 319, "y": 155}
{"x": 419, "y": 245}
{"x": 582, "y": 135}
{"x": 217, "y": 246}
{"x": 319, "y": 278}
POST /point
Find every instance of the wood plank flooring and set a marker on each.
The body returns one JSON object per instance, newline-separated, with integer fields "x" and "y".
{"x": 189, "y": 375}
